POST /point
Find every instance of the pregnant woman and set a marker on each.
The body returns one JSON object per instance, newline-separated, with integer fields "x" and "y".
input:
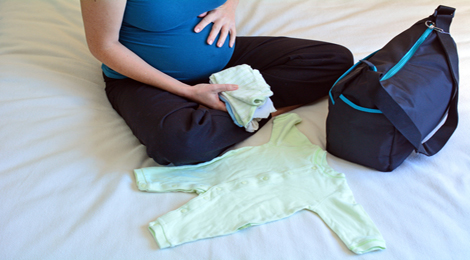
{"x": 158, "y": 55}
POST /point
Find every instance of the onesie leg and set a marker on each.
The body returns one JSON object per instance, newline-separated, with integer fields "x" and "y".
{"x": 350, "y": 222}
{"x": 227, "y": 208}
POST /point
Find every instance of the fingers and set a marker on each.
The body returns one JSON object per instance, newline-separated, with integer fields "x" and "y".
{"x": 213, "y": 34}
{"x": 202, "y": 15}
{"x": 224, "y": 87}
{"x": 221, "y": 106}
{"x": 217, "y": 88}
{"x": 233, "y": 36}
{"x": 203, "y": 23}
{"x": 222, "y": 32}
{"x": 208, "y": 94}
{"x": 223, "y": 25}
{"x": 222, "y": 36}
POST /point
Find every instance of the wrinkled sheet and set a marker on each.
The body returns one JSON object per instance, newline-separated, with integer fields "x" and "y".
{"x": 67, "y": 189}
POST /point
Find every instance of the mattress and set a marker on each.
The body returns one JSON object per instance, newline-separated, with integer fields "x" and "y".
{"x": 67, "y": 187}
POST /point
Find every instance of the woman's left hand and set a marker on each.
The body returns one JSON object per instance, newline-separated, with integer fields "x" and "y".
{"x": 223, "y": 19}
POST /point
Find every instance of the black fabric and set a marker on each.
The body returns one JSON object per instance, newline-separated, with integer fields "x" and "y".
{"x": 178, "y": 131}
{"x": 412, "y": 102}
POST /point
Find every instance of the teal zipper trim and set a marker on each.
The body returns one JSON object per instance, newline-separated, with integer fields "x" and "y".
{"x": 345, "y": 74}
{"x": 340, "y": 78}
{"x": 363, "y": 109}
{"x": 395, "y": 69}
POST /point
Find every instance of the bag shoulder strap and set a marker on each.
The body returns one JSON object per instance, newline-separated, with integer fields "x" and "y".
{"x": 444, "y": 17}
{"x": 398, "y": 117}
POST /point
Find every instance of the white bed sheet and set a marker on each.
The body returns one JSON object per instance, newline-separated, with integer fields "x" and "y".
{"x": 67, "y": 189}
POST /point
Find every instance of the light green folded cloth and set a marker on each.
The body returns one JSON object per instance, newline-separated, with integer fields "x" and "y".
{"x": 252, "y": 92}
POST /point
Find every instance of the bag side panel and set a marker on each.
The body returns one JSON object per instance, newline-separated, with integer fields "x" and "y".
{"x": 359, "y": 137}
{"x": 400, "y": 150}
{"x": 423, "y": 87}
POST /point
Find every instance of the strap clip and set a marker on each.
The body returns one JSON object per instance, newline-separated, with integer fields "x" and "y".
{"x": 432, "y": 25}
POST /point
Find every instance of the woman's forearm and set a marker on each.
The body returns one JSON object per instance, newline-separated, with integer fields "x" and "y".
{"x": 122, "y": 60}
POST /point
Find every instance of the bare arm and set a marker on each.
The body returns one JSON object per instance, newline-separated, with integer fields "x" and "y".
{"x": 102, "y": 20}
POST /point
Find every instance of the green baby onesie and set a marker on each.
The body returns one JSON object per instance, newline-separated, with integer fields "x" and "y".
{"x": 255, "y": 185}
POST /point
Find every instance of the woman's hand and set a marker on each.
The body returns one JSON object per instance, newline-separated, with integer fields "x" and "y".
{"x": 223, "y": 18}
{"x": 208, "y": 94}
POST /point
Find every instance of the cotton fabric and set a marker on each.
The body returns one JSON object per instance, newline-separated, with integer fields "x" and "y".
{"x": 252, "y": 94}
{"x": 255, "y": 185}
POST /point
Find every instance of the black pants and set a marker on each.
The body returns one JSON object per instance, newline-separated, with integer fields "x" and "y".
{"x": 176, "y": 130}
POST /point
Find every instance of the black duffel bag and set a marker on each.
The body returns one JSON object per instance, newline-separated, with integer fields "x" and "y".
{"x": 399, "y": 99}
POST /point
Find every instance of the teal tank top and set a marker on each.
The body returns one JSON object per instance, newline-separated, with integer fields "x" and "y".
{"x": 161, "y": 32}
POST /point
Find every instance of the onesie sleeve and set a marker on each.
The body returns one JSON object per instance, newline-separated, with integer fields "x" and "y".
{"x": 174, "y": 179}
{"x": 285, "y": 132}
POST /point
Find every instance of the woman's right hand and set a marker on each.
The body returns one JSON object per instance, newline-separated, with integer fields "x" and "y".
{"x": 208, "y": 94}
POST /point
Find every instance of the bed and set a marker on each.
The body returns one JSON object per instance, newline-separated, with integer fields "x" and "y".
{"x": 67, "y": 188}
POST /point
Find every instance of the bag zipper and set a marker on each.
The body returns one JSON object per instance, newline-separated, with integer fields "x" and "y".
{"x": 394, "y": 70}
{"x": 391, "y": 72}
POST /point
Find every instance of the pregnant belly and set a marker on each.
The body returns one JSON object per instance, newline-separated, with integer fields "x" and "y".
{"x": 180, "y": 53}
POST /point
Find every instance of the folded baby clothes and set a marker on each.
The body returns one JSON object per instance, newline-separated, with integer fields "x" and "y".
{"x": 252, "y": 94}
{"x": 261, "y": 112}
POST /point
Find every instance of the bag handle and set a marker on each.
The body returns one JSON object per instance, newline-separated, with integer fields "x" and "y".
{"x": 339, "y": 88}
{"x": 398, "y": 117}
